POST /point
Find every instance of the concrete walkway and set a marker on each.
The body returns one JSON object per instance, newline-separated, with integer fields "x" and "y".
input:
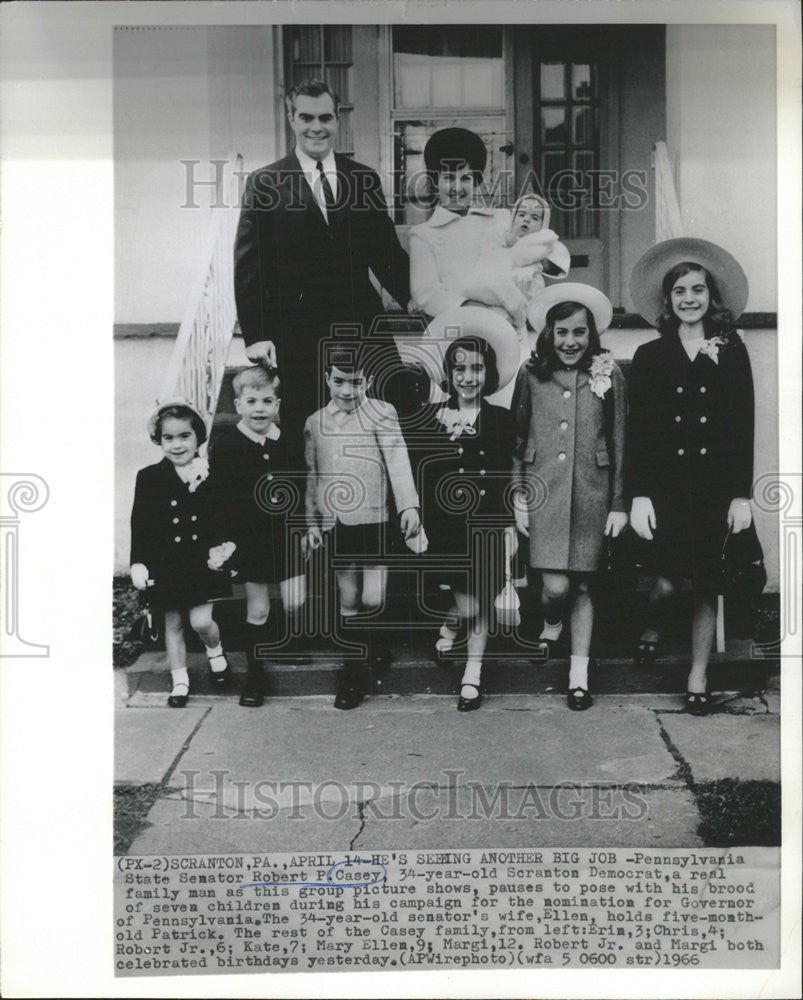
{"x": 410, "y": 772}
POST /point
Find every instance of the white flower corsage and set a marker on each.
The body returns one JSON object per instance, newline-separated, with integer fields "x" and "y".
{"x": 455, "y": 422}
{"x": 198, "y": 470}
{"x": 711, "y": 348}
{"x": 600, "y": 373}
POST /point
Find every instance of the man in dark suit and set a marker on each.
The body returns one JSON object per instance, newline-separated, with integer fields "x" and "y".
{"x": 312, "y": 227}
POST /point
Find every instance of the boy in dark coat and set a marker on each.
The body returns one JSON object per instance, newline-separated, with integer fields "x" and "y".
{"x": 247, "y": 464}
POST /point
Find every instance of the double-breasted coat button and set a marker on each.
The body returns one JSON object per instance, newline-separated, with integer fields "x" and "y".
{"x": 703, "y": 420}
{"x": 703, "y": 451}
{"x": 194, "y": 517}
{"x": 562, "y": 456}
{"x": 702, "y": 388}
{"x": 482, "y": 493}
{"x": 680, "y": 388}
{"x": 174, "y": 503}
{"x": 269, "y": 476}
{"x": 564, "y": 424}
{"x": 481, "y": 452}
{"x": 195, "y": 538}
{"x": 678, "y": 419}
{"x": 461, "y": 471}
{"x": 266, "y": 457}
{"x": 175, "y": 520}
{"x": 177, "y": 538}
{"x": 482, "y": 472}
{"x": 566, "y": 393}
{"x": 681, "y": 451}
{"x": 460, "y": 451}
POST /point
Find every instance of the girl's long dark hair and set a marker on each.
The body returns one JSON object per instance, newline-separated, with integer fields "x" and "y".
{"x": 488, "y": 355}
{"x": 717, "y": 322}
{"x": 544, "y": 359}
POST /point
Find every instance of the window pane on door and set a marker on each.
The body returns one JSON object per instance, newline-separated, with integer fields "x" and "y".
{"x": 585, "y": 129}
{"x": 553, "y": 126}
{"x": 553, "y": 81}
{"x": 583, "y": 84}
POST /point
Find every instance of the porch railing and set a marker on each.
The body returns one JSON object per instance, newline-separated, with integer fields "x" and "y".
{"x": 668, "y": 223}
{"x": 196, "y": 368}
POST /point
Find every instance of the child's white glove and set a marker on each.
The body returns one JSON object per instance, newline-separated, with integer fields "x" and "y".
{"x": 642, "y": 517}
{"x": 219, "y": 554}
{"x": 739, "y": 514}
{"x": 140, "y": 576}
{"x": 616, "y": 523}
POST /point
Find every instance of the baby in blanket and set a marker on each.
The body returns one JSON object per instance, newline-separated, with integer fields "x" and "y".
{"x": 508, "y": 275}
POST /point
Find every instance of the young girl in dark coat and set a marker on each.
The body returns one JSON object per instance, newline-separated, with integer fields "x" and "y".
{"x": 173, "y": 527}
{"x": 466, "y": 478}
{"x": 570, "y": 410}
{"x": 691, "y": 434}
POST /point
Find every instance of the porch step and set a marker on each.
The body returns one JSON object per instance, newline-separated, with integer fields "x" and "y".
{"x": 506, "y": 671}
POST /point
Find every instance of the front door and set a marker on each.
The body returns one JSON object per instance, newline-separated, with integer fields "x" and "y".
{"x": 566, "y": 128}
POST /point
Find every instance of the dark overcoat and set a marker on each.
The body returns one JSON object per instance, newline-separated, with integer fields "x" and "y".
{"x": 690, "y": 449}
{"x": 295, "y": 274}
{"x": 172, "y": 531}
{"x": 571, "y": 469}
{"x": 254, "y": 495}
{"x": 465, "y": 490}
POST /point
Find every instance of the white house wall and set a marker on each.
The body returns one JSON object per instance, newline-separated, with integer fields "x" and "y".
{"x": 180, "y": 93}
{"x": 721, "y": 135}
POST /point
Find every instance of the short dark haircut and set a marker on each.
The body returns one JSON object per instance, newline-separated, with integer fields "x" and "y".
{"x": 256, "y": 377}
{"x": 486, "y": 352}
{"x": 544, "y": 360}
{"x": 716, "y": 322}
{"x": 351, "y": 360}
{"x": 310, "y": 87}
{"x": 180, "y": 413}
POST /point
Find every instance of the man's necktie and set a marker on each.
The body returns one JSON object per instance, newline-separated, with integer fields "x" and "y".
{"x": 328, "y": 194}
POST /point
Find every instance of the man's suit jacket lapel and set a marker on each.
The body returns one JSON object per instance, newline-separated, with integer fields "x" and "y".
{"x": 299, "y": 192}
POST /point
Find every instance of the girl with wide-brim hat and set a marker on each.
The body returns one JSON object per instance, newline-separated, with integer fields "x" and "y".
{"x": 691, "y": 435}
{"x": 464, "y": 458}
{"x": 570, "y": 409}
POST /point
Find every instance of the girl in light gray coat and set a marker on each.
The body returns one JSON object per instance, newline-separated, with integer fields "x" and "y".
{"x": 570, "y": 409}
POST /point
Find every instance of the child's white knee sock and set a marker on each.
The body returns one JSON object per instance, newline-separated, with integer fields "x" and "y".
{"x": 472, "y": 673}
{"x": 217, "y": 661}
{"x": 180, "y": 678}
{"x": 578, "y": 672}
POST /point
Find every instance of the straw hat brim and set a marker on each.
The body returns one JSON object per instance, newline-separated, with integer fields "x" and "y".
{"x": 471, "y": 321}
{"x": 658, "y": 261}
{"x": 592, "y": 298}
